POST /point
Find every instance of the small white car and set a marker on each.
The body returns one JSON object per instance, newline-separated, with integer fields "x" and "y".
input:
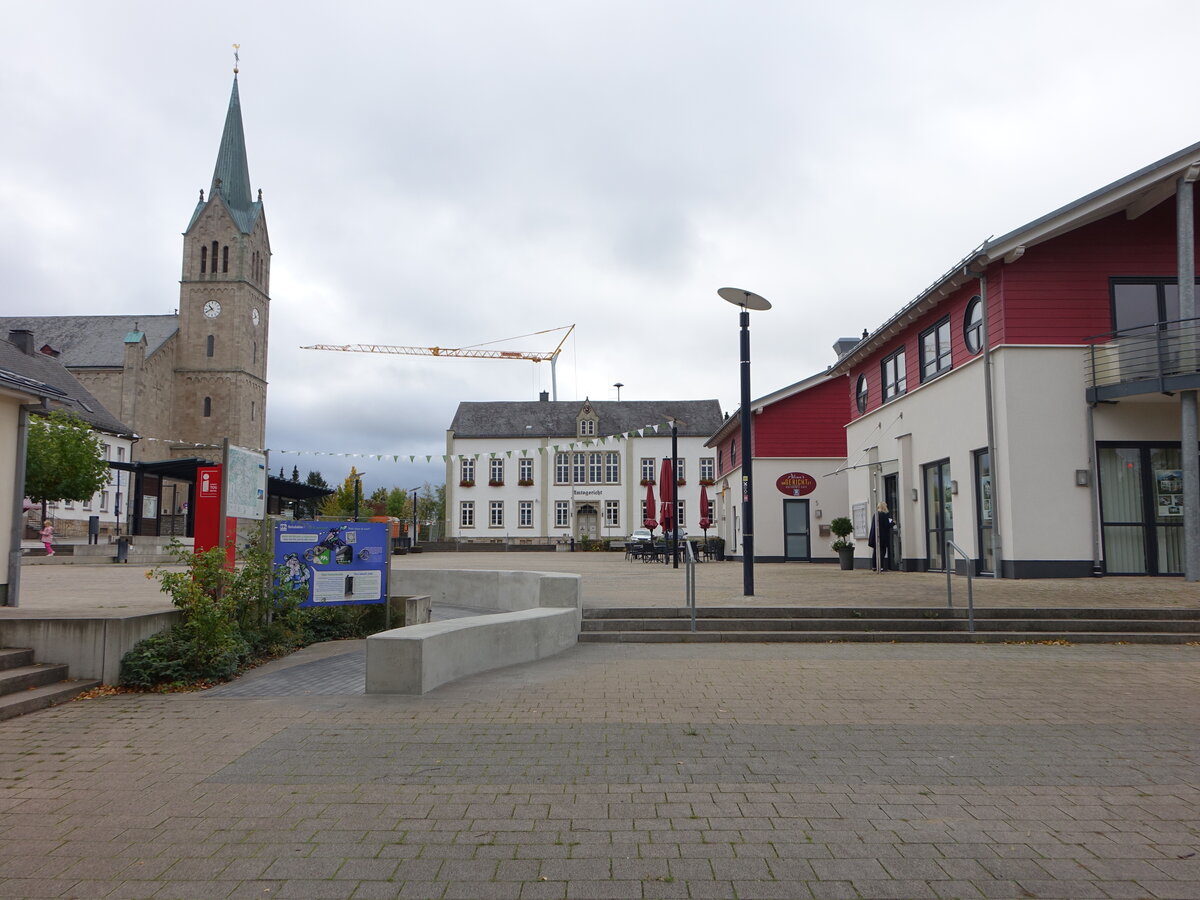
{"x": 641, "y": 534}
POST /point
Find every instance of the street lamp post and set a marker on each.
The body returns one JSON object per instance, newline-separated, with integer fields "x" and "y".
{"x": 747, "y": 301}
{"x": 413, "y": 493}
{"x": 357, "y": 491}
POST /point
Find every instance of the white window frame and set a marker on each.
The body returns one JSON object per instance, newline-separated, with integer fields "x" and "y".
{"x": 466, "y": 513}
{"x": 587, "y": 427}
{"x": 612, "y": 467}
{"x": 466, "y": 469}
{"x": 495, "y": 514}
{"x": 648, "y": 470}
{"x": 496, "y": 471}
{"x": 579, "y": 468}
{"x": 595, "y": 467}
{"x": 612, "y": 513}
{"x": 562, "y": 468}
{"x": 562, "y": 513}
{"x": 525, "y": 469}
{"x": 707, "y": 469}
{"x": 524, "y": 513}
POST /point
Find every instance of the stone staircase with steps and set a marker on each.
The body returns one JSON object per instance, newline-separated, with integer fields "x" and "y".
{"x": 26, "y": 685}
{"x": 929, "y": 625}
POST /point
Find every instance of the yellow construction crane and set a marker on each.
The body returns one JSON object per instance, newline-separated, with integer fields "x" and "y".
{"x": 473, "y": 352}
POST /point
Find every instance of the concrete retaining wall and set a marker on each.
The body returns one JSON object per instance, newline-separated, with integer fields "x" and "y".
{"x": 544, "y": 610}
{"x": 91, "y": 647}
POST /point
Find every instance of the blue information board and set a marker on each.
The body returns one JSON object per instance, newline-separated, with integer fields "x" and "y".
{"x": 335, "y": 563}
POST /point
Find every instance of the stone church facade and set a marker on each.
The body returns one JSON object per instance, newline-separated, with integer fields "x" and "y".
{"x": 185, "y": 381}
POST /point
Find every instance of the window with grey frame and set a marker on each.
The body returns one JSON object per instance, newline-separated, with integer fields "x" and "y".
{"x": 973, "y": 324}
{"x": 894, "y": 375}
{"x": 935, "y": 350}
{"x": 861, "y": 394}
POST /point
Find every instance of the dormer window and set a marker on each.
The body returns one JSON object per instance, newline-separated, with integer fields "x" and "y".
{"x": 587, "y": 427}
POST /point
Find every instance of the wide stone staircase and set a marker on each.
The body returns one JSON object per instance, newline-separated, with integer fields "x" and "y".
{"x": 930, "y": 625}
{"x": 26, "y": 685}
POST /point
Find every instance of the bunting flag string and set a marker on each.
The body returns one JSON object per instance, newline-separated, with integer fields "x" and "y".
{"x": 650, "y": 430}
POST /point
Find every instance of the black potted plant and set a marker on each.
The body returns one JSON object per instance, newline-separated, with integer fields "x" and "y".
{"x": 842, "y": 527}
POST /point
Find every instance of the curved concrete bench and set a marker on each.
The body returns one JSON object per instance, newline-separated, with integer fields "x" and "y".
{"x": 543, "y": 613}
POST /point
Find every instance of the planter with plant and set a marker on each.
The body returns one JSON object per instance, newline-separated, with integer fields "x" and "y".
{"x": 842, "y": 528}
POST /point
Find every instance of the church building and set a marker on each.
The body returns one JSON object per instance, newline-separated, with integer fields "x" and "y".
{"x": 186, "y": 380}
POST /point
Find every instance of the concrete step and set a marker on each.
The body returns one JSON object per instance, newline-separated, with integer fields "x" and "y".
{"x": 22, "y": 678}
{"x": 12, "y": 657}
{"x": 34, "y": 698}
{"x": 1067, "y": 626}
{"x": 892, "y": 612}
{"x": 931, "y": 637}
{"x": 819, "y": 624}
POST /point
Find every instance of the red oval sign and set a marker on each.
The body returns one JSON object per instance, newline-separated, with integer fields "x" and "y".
{"x": 796, "y": 484}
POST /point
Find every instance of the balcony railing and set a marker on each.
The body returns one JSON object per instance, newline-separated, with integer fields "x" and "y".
{"x": 1152, "y": 359}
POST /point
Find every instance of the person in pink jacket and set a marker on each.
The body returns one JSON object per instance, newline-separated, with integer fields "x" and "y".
{"x": 47, "y": 534}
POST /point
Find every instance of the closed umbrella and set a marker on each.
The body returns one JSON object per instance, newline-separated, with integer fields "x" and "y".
{"x": 650, "y": 521}
{"x": 704, "y": 520}
{"x": 666, "y": 496}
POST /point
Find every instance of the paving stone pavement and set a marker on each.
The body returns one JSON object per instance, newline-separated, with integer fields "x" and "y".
{"x": 639, "y": 771}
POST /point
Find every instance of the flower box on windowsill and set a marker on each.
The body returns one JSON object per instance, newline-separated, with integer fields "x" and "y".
{"x": 496, "y": 482}
{"x": 707, "y": 482}
{"x": 646, "y": 481}
{"x": 525, "y": 482}
{"x": 681, "y": 481}
{"x": 465, "y": 483}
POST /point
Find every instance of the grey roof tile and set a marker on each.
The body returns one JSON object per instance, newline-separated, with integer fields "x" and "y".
{"x": 74, "y": 396}
{"x": 497, "y": 419}
{"x": 92, "y": 340}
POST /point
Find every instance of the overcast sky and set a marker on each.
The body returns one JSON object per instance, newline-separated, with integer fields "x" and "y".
{"x": 454, "y": 173}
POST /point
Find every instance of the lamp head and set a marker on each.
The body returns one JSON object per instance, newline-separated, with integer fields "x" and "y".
{"x": 744, "y": 299}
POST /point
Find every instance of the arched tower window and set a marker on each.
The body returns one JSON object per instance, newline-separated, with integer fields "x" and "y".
{"x": 207, "y": 407}
{"x": 211, "y": 346}
{"x": 215, "y": 246}
{"x": 225, "y": 258}
{"x": 252, "y": 407}
{"x": 203, "y": 259}
{"x": 254, "y": 354}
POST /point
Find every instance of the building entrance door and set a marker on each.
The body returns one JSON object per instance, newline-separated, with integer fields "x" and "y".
{"x": 587, "y": 521}
{"x": 797, "y": 542}
{"x": 1141, "y": 508}
{"x": 891, "y": 496}
{"x": 939, "y": 514}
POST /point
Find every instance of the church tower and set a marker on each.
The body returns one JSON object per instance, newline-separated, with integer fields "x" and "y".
{"x": 224, "y": 306}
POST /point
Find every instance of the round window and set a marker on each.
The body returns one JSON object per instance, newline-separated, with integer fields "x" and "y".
{"x": 860, "y": 393}
{"x": 973, "y": 324}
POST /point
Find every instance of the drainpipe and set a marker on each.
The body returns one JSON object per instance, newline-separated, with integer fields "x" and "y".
{"x": 989, "y": 413}
{"x": 1186, "y": 243}
{"x": 1094, "y": 487}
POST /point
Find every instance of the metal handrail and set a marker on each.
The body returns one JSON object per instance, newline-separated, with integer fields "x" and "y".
{"x": 970, "y": 587}
{"x": 689, "y": 580}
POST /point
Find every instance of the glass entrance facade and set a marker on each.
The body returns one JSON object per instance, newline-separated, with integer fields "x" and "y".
{"x": 1141, "y": 508}
{"x": 939, "y": 514}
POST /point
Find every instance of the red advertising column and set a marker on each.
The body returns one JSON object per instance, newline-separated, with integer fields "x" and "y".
{"x": 208, "y": 514}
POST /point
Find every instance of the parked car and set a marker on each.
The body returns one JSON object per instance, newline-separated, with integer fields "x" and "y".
{"x": 641, "y": 534}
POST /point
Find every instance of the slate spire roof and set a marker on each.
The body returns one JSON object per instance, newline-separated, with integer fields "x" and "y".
{"x": 231, "y": 174}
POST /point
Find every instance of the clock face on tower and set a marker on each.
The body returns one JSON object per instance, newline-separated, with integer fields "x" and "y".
{"x": 212, "y": 309}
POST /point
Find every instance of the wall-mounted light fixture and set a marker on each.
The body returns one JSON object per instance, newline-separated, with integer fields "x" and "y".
{"x": 1082, "y": 477}
{"x": 914, "y": 495}
{"x": 953, "y": 486}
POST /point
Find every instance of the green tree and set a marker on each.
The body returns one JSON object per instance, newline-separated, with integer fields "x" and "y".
{"x": 64, "y": 460}
{"x": 313, "y": 507}
{"x": 340, "y": 503}
{"x": 397, "y": 504}
{"x": 377, "y": 502}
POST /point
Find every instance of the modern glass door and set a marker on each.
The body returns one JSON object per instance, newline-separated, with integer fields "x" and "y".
{"x": 797, "y": 542}
{"x": 939, "y": 514}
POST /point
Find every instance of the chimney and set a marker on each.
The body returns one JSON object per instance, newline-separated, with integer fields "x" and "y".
{"x": 544, "y": 397}
{"x": 844, "y": 345}
{"x": 22, "y": 339}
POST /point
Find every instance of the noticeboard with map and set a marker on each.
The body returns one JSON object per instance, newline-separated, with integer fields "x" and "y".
{"x": 245, "y": 483}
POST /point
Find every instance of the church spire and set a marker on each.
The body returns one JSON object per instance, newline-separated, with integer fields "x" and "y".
{"x": 231, "y": 176}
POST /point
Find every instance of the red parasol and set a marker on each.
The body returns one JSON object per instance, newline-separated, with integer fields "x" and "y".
{"x": 666, "y": 496}
{"x": 704, "y": 520}
{"x": 650, "y": 521}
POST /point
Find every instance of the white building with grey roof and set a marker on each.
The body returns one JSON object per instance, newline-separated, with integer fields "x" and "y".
{"x": 548, "y": 471}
